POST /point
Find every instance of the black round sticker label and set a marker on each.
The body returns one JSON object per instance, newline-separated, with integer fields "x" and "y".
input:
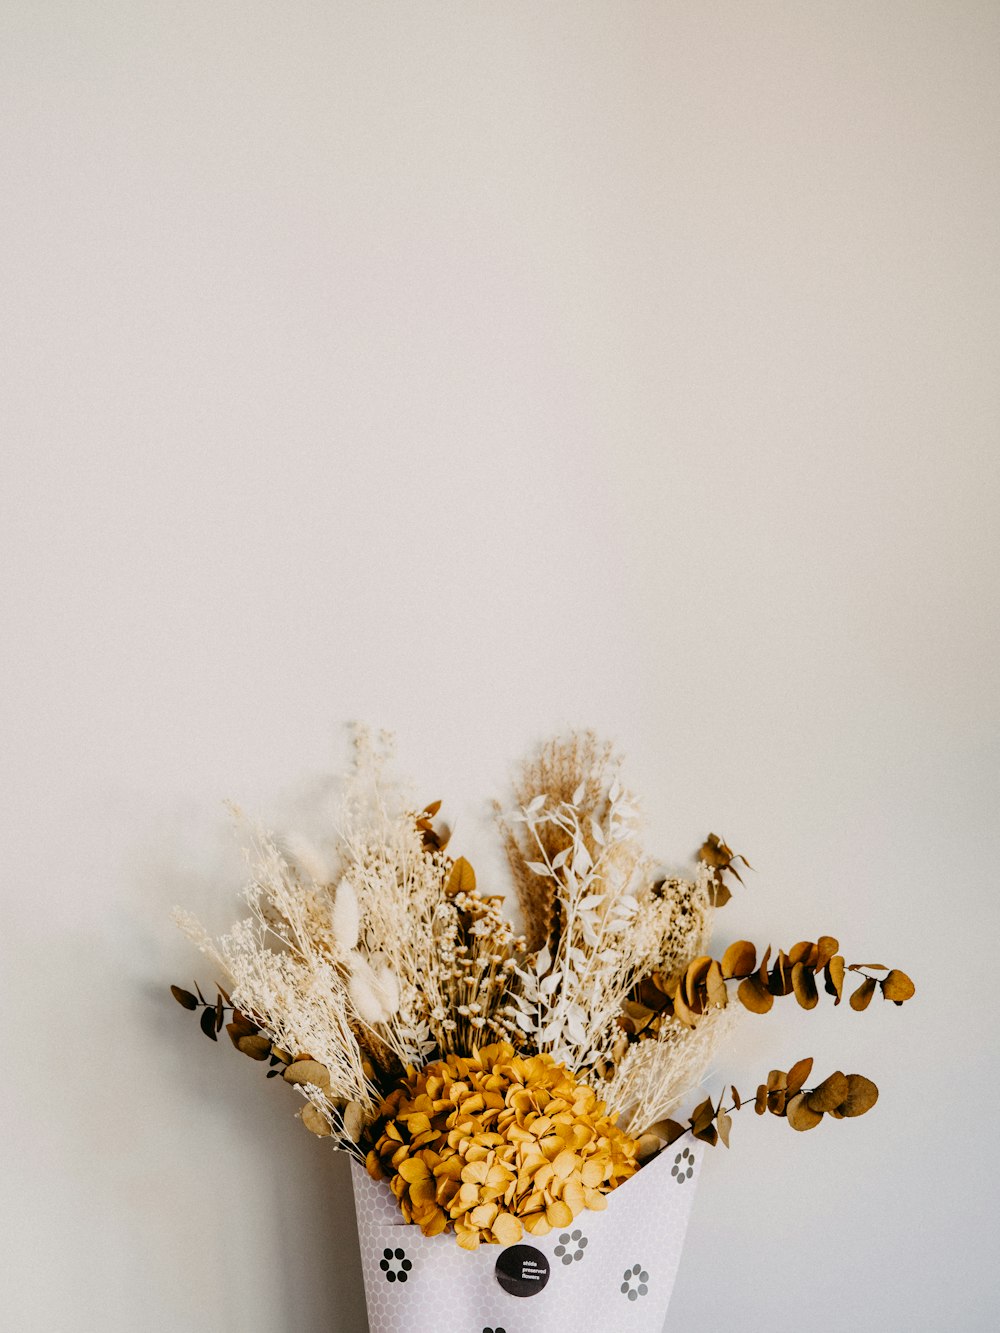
{"x": 522, "y": 1270}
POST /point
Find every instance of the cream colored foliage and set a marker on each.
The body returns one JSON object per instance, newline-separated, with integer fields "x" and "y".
{"x": 653, "y": 1076}
{"x": 374, "y": 950}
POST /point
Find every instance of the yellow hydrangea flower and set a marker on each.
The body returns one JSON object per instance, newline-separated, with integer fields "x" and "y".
{"x": 495, "y": 1144}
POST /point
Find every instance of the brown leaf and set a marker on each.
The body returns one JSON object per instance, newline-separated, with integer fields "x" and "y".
{"x": 207, "y": 1022}
{"x": 652, "y": 992}
{"x": 634, "y": 1018}
{"x": 829, "y": 1094}
{"x": 701, "y": 1122}
{"x": 256, "y": 1046}
{"x": 718, "y": 995}
{"x": 461, "y": 878}
{"x": 739, "y": 960}
{"x": 694, "y": 977}
{"x": 431, "y": 810}
{"x": 897, "y": 986}
{"x": 240, "y": 1026}
{"x": 862, "y": 1094}
{"x": 801, "y": 1114}
{"x": 702, "y": 1115}
{"x": 826, "y": 947}
{"x": 801, "y": 952}
{"x": 686, "y": 1016}
{"x": 672, "y": 1128}
{"x": 736, "y": 1098}
{"x": 804, "y": 986}
{"x": 834, "y": 977}
{"x": 714, "y": 852}
{"x": 722, "y": 860}
{"x": 780, "y": 981}
{"x": 184, "y": 997}
{"x": 753, "y": 996}
{"x": 220, "y": 1014}
{"x": 798, "y": 1074}
{"x": 661, "y": 1129}
{"x": 307, "y": 1071}
{"x": 863, "y": 995}
{"x": 723, "y": 1123}
{"x": 760, "y": 1101}
{"x": 354, "y": 1120}
{"x": 762, "y": 972}
{"x": 315, "y": 1121}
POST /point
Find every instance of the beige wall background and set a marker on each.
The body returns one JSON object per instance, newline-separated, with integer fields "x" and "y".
{"x": 476, "y": 369}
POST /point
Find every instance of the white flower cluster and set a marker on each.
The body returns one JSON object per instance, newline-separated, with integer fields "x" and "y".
{"x": 573, "y": 989}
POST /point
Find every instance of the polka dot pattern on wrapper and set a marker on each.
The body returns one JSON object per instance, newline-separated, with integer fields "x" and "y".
{"x": 395, "y": 1265}
{"x": 448, "y": 1288}
{"x": 571, "y": 1246}
{"x": 636, "y": 1282}
{"x": 683, "y": 1167}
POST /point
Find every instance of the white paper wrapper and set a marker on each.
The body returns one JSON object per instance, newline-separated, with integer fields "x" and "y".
{"x": 609, "y": 1270}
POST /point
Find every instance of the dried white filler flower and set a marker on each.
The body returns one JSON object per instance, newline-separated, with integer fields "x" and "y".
{"x": 375, "y": 951}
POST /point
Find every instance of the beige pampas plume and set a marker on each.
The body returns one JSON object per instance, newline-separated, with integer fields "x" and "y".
{"x": 373, "y": 988}
{"x": 310, "y": 858}
{"x": 386, "y": 984}
{"x": 346, "y": 920}
{"x": 364, "y": 992}
{"x": 577, "y": 769}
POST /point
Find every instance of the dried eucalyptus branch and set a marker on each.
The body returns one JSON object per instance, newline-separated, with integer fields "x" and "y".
{"x": 721, "y": 861}
{"x": 703, "y": 985}
{"x": 841, "y": 1096}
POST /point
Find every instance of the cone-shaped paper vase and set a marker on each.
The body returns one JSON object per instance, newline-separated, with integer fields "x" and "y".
{"x": 609, "y": 1270}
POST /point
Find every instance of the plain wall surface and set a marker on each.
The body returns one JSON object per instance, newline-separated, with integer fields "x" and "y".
{"x": 474, "y": 369}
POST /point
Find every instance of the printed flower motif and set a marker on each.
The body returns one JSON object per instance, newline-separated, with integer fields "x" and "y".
{"x": 635, "y": 1282}
{"x": 496, "y": 1144}
{"x": 571, "y": 1247}
{"x": 395, "y": 1265}
{"x": 683, "y": 1167}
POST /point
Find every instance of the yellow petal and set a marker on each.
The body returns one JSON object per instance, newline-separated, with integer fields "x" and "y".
{"x": 592, "y": 1173}
{"x": 565, "y": 1164}
{"x": 537, "y": 1223}
{"x": 507, "y": 1229}
{"x": 575, "y": 1196}
{"x": 413, "y": 1169}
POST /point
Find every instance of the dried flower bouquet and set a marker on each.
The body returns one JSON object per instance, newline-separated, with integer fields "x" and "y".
{"x": 504, "y": 1080}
